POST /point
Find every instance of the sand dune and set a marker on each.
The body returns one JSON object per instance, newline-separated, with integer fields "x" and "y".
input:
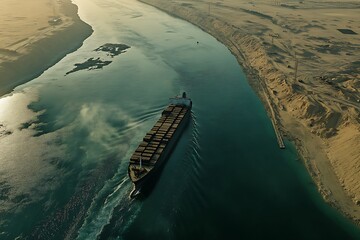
{"x": 317, "y": 105}
{"x": 34, "y": 35}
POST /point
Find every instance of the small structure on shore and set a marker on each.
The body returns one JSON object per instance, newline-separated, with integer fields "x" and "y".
{"x": 55, "y": 21}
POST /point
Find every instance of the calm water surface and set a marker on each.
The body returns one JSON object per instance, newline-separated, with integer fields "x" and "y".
{"x": 66, "y": 140}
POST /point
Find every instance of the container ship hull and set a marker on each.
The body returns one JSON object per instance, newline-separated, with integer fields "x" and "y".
{"x": 150, "y": 156}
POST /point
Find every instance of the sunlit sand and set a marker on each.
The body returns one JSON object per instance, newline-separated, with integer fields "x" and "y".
{"x": 303, "y": 56}
{"x": 34, "y": 35}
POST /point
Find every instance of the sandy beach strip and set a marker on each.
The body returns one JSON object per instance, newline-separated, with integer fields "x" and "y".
{"x": 302, "y": 60}
{"x": 35, "y": 34}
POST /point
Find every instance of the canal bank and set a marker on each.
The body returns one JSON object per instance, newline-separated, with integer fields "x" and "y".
{"x": 78, "y": 131}
{"x": 288, "y": 115}
{"x": 37, "y": 45}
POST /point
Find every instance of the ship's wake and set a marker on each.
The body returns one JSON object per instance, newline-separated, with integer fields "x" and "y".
{"x": 113, "y": 211}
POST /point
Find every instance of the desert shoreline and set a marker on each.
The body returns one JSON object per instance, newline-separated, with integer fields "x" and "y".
{"x": 313, "y": 148}
{"x": 41, "y": 47}
{"x": 35, "y": 56}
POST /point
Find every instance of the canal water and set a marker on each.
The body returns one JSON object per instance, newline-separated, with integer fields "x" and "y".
{"x": 66, "y": 140}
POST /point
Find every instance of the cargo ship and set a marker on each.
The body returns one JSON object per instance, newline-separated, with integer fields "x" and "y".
{"x": 156, "y": 147}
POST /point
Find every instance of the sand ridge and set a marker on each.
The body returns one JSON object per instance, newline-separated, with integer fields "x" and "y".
{"x": 317, "y": 105}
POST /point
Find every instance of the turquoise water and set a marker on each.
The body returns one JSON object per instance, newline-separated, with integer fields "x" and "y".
{"x": 66, "y": 140}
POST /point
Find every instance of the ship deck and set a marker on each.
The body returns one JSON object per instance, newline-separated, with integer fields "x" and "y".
{"x": 155, "y": 141}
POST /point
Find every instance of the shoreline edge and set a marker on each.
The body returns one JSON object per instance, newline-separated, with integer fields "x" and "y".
{"x": 45, "y": 52}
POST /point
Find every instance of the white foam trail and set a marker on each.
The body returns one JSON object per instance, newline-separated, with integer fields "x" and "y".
{"x": 100, "y": 213}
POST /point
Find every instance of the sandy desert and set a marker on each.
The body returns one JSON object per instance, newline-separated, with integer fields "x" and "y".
{"x": 302, "y": 58}
{"x": 34, "y": 35}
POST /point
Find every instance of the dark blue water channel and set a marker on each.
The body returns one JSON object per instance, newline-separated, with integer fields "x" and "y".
{"x": 66, "y": 142}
